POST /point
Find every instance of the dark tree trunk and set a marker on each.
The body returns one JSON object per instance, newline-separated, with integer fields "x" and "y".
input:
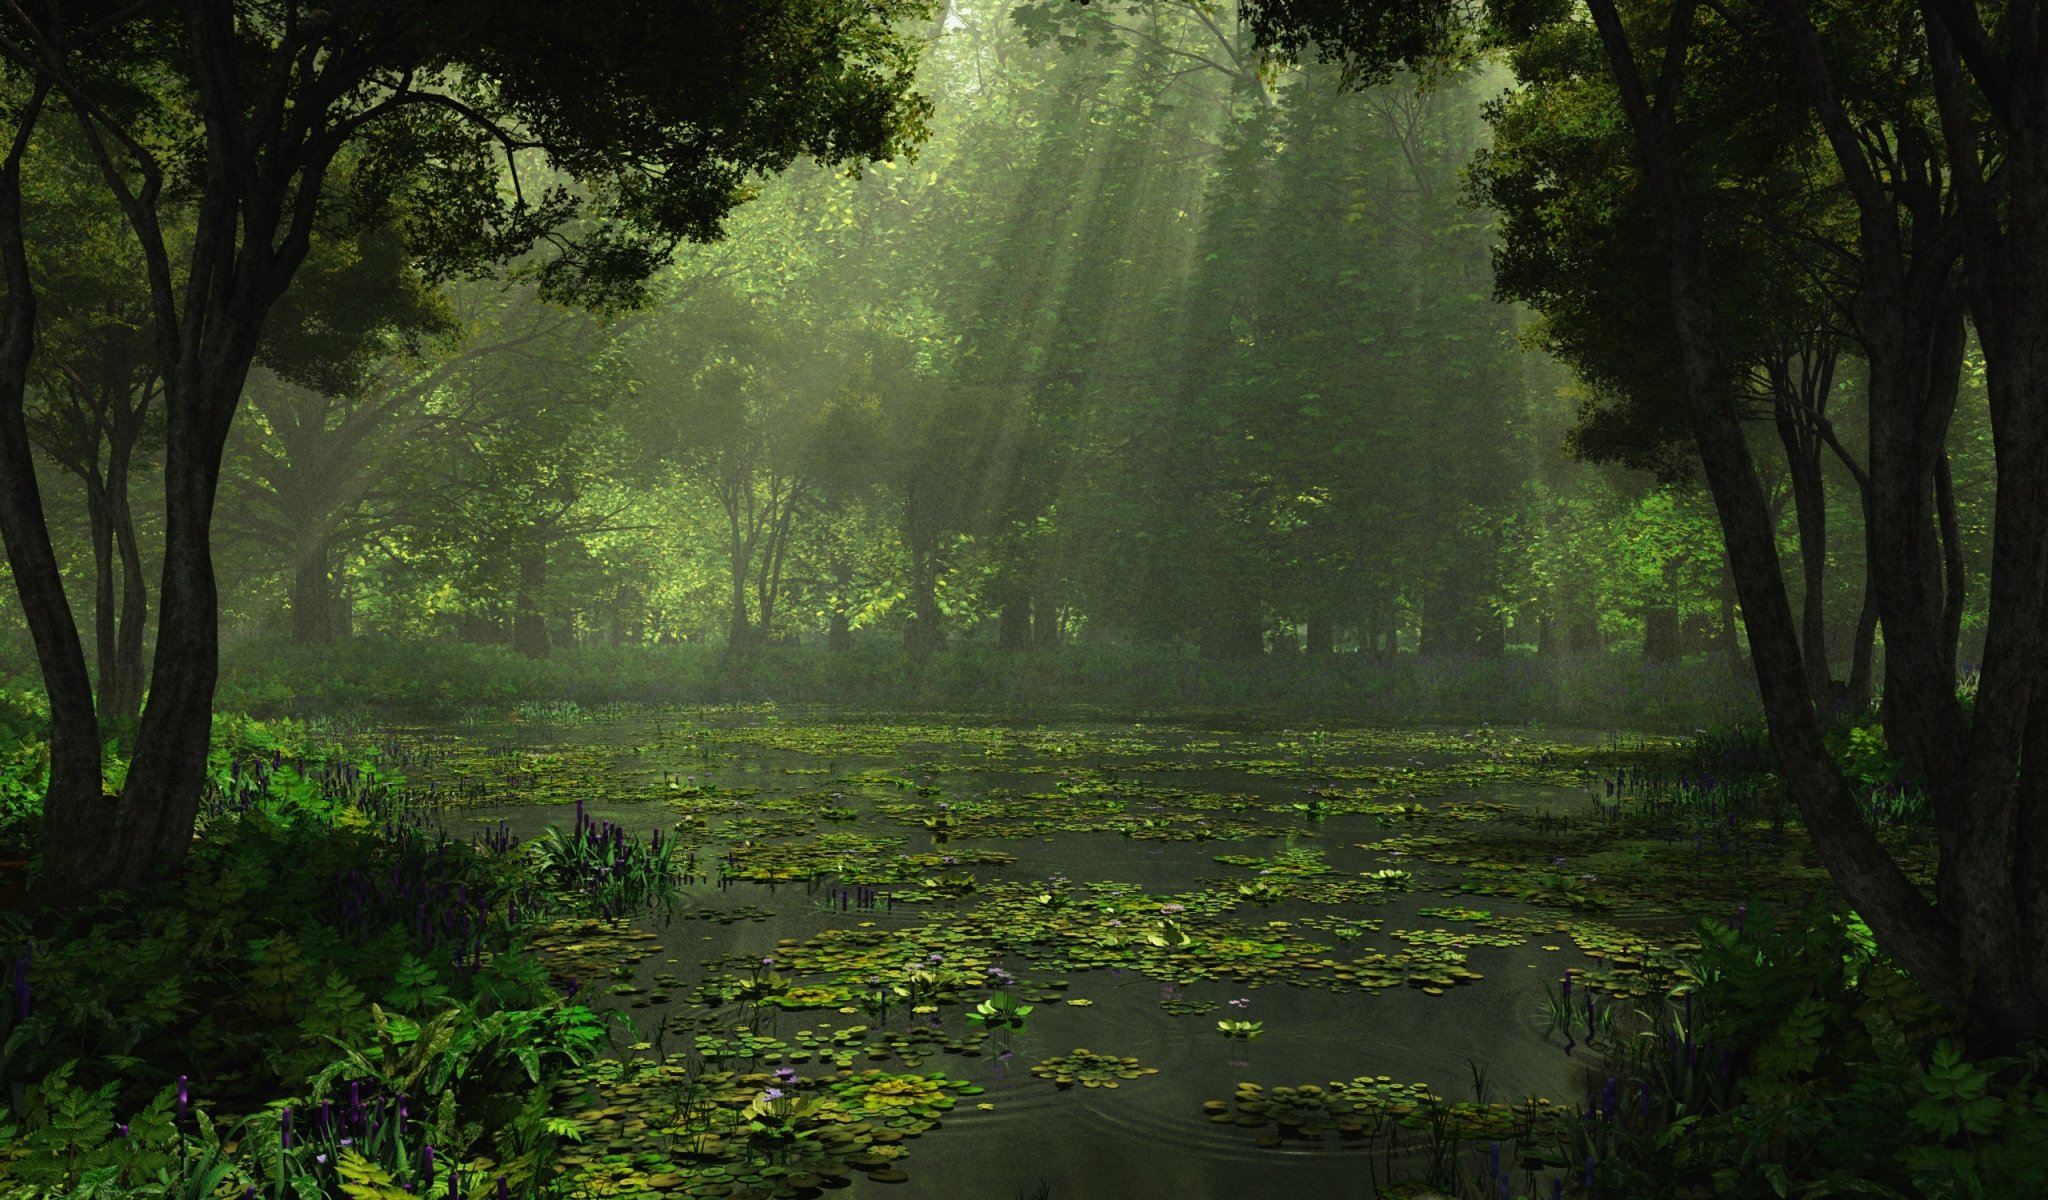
{"x": 1232, "y": 636}
{"x": 1013, "y": 623}
{"x": 839, "y": 626}
{"x": 1045, "y": 622}
{"x": 1810, "y": 508}
{"x": 529, "y": 596}
{"x": 768, "y": 589}
{"x": 1856, "y": 693}
{"x": 1322, "y": 637}
{"x": 1456, "y": 623}
{"x": 739, "y": 625}
{"x": 1731, "y": 642}
{"x": 312, "y": 596}
{"x": 629, "y": 616}
{"x": 106, "y": 635}
{"x": 1955, "y": 579}
{"x": 1661, "y": 642}
{"x": 1582, "y": 634}
{"x": 1994, "y": 868}
{"x": 121, "y": 695}
{"x": 74, "y": 793}
{"x": 924, "y": 635}
{"x": 1918, "y": 937}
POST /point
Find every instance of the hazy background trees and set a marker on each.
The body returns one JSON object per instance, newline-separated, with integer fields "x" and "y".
{"x": 1157, "y": 341}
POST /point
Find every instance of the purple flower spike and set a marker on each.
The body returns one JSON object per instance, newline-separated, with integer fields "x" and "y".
{"x": 427, "y": 1164}
{"x": 184, "y": 1098}
{"x": 284, "y": 1128}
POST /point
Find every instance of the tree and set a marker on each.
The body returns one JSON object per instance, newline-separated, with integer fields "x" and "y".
{"x": 655, "y": 116}
{"x": 345, "y": 379}
{"x": 95, "y": 386}
{"x": 1980, "y": 947}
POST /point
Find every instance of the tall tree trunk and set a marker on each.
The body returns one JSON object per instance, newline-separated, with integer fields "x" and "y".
{"x": 1322, "y": 636}
{"x": 2002, "y": 910}
{"x": 1660, "y": 620}
{"x": 1013, "y": 622}
{"x": 739, "y": 623}
{"x": 924, "y": 635}
{"x": 121, "y": 697}
{"x": 1954, "y": 576}
{"x": 769, "y": 586}
{"x": 529, "y": 595}
{"x": 106, "y": 634}
{"x": 1454, "y": 623}
{"x": 312, "y": 595}
{"x": 73, "y": 804}
{"x": 1045, "y": 621}
{"x": 1918, "y": 937}
{"x": 1731, "y": 643}
{"x": 629, "y": 616}
{"x": 152, "y": 827}
{"x": 1856, "y": 693}
{"x": 839, "y": 625}
{"x": 1810, "y": 508}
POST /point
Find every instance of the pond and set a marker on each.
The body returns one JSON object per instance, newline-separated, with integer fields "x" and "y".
{"x": 945, "y": 958}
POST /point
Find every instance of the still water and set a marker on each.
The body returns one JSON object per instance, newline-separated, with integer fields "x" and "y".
{"x": 1061, "y": 803}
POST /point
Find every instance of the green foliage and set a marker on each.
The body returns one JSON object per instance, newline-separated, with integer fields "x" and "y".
{"x": 1845, "y": 1080}
{"x": 1863, "y": 755}
{"x": 448, "y": 679}
{"x": 1000, "y": 1011}
{"x": 71, "y": 1146}
{"x": 416, "y": 989}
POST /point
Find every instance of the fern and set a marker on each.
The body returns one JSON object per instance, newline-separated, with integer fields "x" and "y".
{"x": 416, "y": 988}
{"x": 1955, "y": 1096}
{"x": 279, "y": 975}
{"x": 362, "y": 1179}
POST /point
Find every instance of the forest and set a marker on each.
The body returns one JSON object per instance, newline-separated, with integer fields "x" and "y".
{"x": 694, "y": 600}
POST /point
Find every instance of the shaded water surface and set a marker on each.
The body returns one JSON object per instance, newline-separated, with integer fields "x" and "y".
{"x": 1122, "y": 826}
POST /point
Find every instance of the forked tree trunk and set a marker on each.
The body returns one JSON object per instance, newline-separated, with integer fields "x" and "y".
{"x": 1919, "y": 938}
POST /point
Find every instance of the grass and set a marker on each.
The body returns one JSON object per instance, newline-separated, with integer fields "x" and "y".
{"x": 443, "y": 678}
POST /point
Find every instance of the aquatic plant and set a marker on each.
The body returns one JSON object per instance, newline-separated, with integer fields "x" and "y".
{"x": 1001, "y": 1011}
{"x": 1090, "y": 1069}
